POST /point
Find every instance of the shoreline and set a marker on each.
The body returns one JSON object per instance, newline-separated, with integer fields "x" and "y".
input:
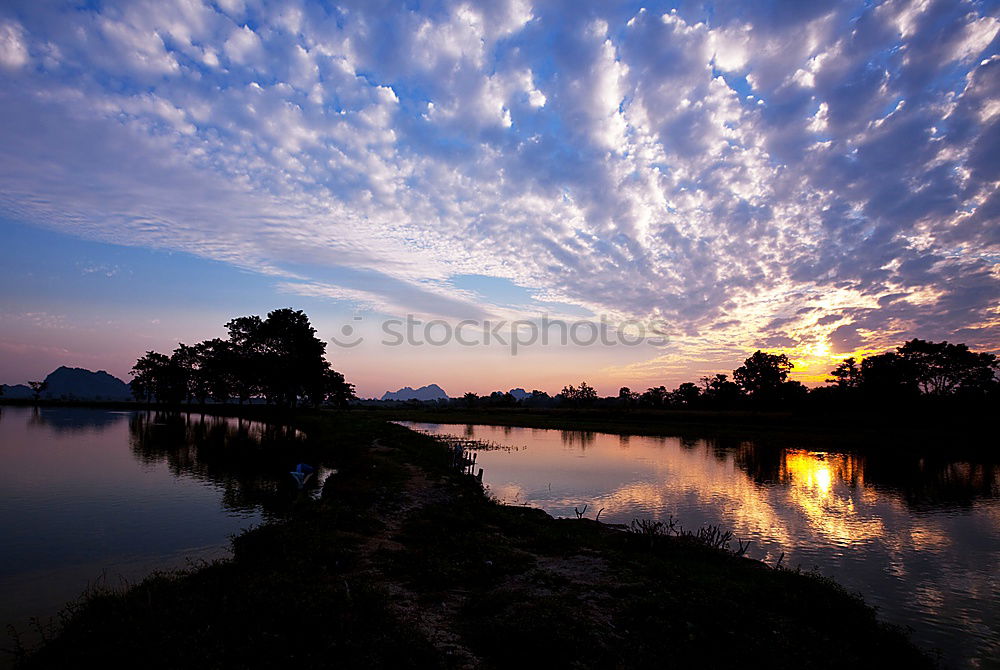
{"x": 931, "y": 436}
{"x": 930, "y": 433}
{"x": 405, "y": 562}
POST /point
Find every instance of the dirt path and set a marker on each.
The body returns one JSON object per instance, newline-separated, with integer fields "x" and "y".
{"x": 435, "y": 621}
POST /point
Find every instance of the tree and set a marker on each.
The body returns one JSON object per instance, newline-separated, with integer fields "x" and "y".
{"x": 144, "y": 376}
{"x": 655, "y": 396}
{"x": 37, "y": 388}
{"x": 470, "y": 399}
{"x": 626, "y": 397}
{"x": 279, "y": 357}
{"x": 942, "y": 368}
{"x": 685, "y": 395}
{"x": 335, "y": 390}
{"x": 847, "y": 375}
{"x": 187, "y": 365}
{"x": 888, "y": 376}
{"x": 537, "y": 399}
{"x": 793, "y": 392}
{"x": 291, "y": 356}
{"x": 579, "y": 396}
{"x": 217, "y": 365}
{"x": 762, "y": 374}
{"x": 159, "y": 376}
{"x": 246, "y": 342}
{"x": 721, "y": 392}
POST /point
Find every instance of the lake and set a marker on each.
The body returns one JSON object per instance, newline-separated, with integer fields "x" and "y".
{"x": 919, "y": 538}
{"x": 100, "y": 498}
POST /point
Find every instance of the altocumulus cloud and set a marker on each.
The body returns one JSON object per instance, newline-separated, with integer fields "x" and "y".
{"x": 809, "y": 175}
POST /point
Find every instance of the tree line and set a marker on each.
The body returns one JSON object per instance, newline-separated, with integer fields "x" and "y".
{"x": 278, "y": 359}
{"x": 918, "y": 368}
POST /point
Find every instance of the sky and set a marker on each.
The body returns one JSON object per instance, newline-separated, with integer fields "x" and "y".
{"x": 687, "y": 182}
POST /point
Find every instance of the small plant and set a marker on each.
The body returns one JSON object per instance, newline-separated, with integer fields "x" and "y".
{"x": 711, "y": 535}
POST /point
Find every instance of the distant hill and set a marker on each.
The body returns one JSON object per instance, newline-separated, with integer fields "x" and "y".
{"x": 16, "y": 391}
{"x": 520, "y": 394}
{"x": 79, "y": 384}
{"x": 429, "y": 392}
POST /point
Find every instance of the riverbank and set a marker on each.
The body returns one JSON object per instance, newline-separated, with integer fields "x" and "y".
{"x": 404, "y": 562}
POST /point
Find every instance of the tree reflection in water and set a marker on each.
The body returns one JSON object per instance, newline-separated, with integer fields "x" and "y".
{"x": 923, "y": 482}
{"x": 249, "y": 460}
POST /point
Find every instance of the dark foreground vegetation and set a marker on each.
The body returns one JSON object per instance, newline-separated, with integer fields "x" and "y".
{"x": 404, "y": 562}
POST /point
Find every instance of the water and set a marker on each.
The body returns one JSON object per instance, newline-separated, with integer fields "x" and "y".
{"x": 918, "y": 538}
{"x": 92, "y": 497}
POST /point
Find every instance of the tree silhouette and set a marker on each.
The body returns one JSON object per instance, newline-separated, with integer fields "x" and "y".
{"x": 245, "y": 340}
{"x": 583, "y": 395}
{"x": 721, "y": 392}
{"x": 655, "y": 396}
{"x": 942, "y": 368}
{"x": 37, "y": 388}
{"x": 847, "y": 375}
{"x": 685, "y": 395}
{"x": 762, "y": 375}
{"x": 888, "y": 375}
{"x": 626, "y": 397}
{"x": 279, "y": 358}
{"x": 160, "y": 377}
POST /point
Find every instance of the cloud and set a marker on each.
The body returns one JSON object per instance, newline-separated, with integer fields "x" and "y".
{"x": 243, "y": 44}
{"x": 830, "y": 170}
{"x": 13, "y": 52}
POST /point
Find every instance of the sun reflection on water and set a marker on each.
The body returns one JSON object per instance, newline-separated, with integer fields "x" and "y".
{"x": 915, "y": 536}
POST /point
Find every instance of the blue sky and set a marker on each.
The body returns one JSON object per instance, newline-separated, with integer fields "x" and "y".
{"x": 819, "y": 178}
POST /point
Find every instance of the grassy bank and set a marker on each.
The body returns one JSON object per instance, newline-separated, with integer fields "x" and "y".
{"x": 406, "y": 563}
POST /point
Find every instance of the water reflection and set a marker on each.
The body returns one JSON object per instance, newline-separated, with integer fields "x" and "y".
{"x": 919, "y": 537}
{"x": 89, "y": 495}
{"x": 70, "y": 420}
{"x": 572, "y": 438}
{"x": 249, "y": 460}
{"x": 922, "y": 482}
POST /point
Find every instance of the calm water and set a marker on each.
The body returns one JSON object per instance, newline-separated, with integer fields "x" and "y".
{"x": 920, "y": 539}
{"x": 97, "y": 497}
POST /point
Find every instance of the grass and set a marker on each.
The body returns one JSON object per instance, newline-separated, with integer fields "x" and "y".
{"x": 406, "y": 563}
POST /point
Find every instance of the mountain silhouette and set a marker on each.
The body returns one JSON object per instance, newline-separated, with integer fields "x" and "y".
{"x": 16, "y": 391}
{"x": 429, "y": 392}
{"x": 80, "y": 384}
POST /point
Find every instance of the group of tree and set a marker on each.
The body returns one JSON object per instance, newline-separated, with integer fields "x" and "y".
{"x": 278, "y": 359}
{"x": 918, "y": 368}
{"x": 503, "y": 399}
